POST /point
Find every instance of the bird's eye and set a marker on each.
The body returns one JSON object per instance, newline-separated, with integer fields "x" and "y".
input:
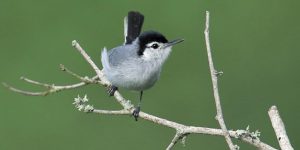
{"x": 155, "y": 46}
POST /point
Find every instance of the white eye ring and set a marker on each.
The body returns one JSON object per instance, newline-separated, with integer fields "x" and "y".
{"x": 154, "y": 46}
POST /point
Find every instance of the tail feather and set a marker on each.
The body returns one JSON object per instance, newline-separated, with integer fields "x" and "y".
{"x": 105, "y": 59}
{"x": 134, "y": 22}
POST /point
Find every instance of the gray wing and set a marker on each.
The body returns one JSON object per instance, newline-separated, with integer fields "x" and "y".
{"x": 121, "y": 54}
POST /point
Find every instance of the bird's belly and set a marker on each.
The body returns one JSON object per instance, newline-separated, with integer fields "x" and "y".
{"x": 133, "y": 79}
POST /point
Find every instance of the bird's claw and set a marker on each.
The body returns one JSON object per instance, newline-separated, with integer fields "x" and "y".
{"x": 136, "y": 112}
{"x": 111, "y": 90}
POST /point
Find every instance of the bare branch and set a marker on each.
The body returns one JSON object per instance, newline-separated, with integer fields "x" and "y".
{"x": 83, "y": 79}
{"x": 279, "y": 129}
{"x": 203, "y": 130}
{"x": 214, "y": 76}
{"x": 112, "y": 112}
{"x": 29, "y": 93}
{"x": 36, "y": 82}
{"x": 183, "y": 130}
{"x": 51, "y": 88}
{"x": 89, "y": 60}
{"x": 257, "y": 143}
{"x": 174, "y": 140}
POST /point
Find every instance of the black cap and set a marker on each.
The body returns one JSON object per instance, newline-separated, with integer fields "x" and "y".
{"x": 148, "y": 37}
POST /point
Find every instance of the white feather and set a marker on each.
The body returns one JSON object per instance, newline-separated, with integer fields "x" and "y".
{"x": 125, "y": 28}
{"x": 105, "y": 60}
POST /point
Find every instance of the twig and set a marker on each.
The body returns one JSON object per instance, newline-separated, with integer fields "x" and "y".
{"x": 214, "y": 76}
{"x": 83, "y": 79}
{"x": 36, "y": 82}
{"x": 279, "y": 129}
{"x": 174, "y": 140}
{"x": 112, "y": 112}
{"x": 51, "y": 88}
{"x": 29, "y": 93}
{"x": 103, "y": 80}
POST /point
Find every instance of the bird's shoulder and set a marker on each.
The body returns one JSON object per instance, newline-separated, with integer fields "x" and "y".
{"x": 123, "y": 53}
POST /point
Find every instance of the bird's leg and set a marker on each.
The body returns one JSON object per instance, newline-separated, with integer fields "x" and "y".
{"x": 137, "y": 109}
{"x": 111, "y": 90}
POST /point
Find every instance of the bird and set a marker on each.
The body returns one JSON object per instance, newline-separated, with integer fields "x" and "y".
{"x": 136, "y": 64}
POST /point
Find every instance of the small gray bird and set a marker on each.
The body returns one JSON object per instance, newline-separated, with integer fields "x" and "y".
{"x": 136, "y": 65}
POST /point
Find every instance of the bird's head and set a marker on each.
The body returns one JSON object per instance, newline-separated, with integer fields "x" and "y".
{"x": 154, "y": 45}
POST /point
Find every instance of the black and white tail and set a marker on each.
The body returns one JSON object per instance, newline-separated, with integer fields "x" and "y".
{"x": 132, "y": 26}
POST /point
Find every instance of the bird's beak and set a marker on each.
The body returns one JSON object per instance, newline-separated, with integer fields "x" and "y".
{"x": 173, "y": 42}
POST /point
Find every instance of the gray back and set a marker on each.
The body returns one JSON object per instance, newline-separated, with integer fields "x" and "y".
{"x": 123, "y": 53}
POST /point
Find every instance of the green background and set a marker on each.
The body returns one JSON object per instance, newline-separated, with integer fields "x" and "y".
{"x": 255, "y": 43}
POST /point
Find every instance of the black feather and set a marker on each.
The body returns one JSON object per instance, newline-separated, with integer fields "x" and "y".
{"x": 134, "y": 26}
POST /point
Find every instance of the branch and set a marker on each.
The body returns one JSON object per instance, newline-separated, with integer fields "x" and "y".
{"x": 279, "y": 129}
{"x": 178, "y": 136}
{"x": 181, "y": 129}
{"x": 83, "y": 79}
{"x": 29, "y": 93}
{"x": 112, "y": 112}
{"x": 51, "y": 88}
{"x": 100, "y": 75}
{"x": 214, "y": 77}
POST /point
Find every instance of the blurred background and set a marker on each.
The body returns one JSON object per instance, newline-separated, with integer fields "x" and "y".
{"x": 255, "y": 43}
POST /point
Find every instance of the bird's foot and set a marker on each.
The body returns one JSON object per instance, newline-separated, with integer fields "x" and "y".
{"x": 136, "y": 112}
{"x": 111, "y": 90}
